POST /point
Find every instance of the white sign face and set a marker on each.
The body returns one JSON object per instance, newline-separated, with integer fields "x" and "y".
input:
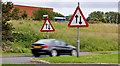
{"x": 47, "y": 26}
{"x": 78, "y": 19}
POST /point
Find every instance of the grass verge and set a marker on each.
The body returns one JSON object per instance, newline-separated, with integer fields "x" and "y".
{"x": 110, "y": 58}
{"x": 96, "y": 37}
{"x": 17, "y": 54}
{"x": 105, "y": 52}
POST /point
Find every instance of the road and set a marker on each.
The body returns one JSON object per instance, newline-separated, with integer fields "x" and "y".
{"x": 25, "y": 60}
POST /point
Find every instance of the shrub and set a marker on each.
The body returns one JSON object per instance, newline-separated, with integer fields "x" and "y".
{"x": 24, "y": 15}
{"x": 7, "y": 46}
{"x": 21, "y": 23}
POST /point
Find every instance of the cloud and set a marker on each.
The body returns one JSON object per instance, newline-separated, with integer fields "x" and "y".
{"x": 71, "y": 4}
{"x": 63, "y": 0}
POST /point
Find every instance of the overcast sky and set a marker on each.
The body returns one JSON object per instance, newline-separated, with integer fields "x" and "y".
{"x": 67, "y": 7}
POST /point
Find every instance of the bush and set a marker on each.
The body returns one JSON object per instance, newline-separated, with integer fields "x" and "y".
{"x": 21, "y": 23}
{"x": 21, "y": 50}
{"x": 7, "y": 46}
{"x": 25, "y": 38}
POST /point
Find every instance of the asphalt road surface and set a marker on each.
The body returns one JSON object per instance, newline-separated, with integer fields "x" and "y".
{"x": 25, "y": 60}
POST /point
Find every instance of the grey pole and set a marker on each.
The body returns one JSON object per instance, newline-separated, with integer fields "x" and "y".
{"x": 47, "y": 32}
{"x": 48, "y": 35}
{"x": 78, "y": 41}
{"x": 78, "y": 44}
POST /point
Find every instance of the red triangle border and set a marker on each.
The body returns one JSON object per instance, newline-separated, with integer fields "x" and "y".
{"x": 73, "y": 17}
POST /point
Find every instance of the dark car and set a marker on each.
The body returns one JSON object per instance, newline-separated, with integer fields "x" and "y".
{"x": 52, "y": 47}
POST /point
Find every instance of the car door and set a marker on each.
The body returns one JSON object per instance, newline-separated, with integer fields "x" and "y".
{"x": 65, "y": 48}
{"x": 60, "y": 47}
{"x": 57, "y": 45}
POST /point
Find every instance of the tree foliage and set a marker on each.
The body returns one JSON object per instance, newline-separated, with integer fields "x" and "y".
{"x": 6, "y": 16}
{"x": 118, "y": 18}
{"x": 56, "y": 14}
{"x": 96, "y": 14}
{"x": 111, "y": 17}
{"x": 38, "y": 14}
{"x": 107, "y": 17}
{"x": 15, "y": 12}
{"x": 24, "y": 15}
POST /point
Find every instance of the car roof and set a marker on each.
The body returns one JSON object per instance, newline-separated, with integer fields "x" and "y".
{"x": 45, "y": 40}
{"x": 48, "y": 39}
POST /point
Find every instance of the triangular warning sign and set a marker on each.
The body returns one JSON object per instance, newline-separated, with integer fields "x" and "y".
{"x": 78, "y": 19}
{"x": 47, "y": 26}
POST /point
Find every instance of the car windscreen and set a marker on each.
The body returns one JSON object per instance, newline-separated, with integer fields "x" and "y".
{"x": 43, "y": 41}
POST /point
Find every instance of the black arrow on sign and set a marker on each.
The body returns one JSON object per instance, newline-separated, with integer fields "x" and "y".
{"x": 46, "y": 25}
{"x": 76, "y": 18}
{"x": 49, "y": 27}
{"x": 80, "y": 20}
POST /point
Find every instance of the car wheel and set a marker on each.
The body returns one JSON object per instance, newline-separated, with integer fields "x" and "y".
{"x": 73, "y": 53}
{"x": 53, "y": 53}
{"x": 37, "y": 55}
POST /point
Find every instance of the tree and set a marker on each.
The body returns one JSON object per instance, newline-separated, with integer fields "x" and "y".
{"x": 24, "y": 15}
{"x": 88, "y": 19}
{"x": 95, "y": 19}
{"x": 107, "y": 17}
{"x": 15, "y": 13}
{"x": 103, "y": 20}
{"x": 118, "y": 18}
{"x": 56, "y": 14}
{"x": 70, "y": 15}
{"x": 38, "y": 14}
{"x": 6, "y": 16}
{"x": 111, "y": 17}
{"x": 96, "y": 14}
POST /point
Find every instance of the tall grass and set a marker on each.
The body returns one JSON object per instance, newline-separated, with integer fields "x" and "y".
{"x": 96, "y": 37}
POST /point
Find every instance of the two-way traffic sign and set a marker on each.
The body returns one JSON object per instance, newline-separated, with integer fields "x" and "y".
{"x": 78, "y": 19}
{"x": 47, "y": 26}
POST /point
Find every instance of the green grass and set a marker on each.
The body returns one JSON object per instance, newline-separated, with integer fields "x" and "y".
{"x": 17, "y": 54}
{"x": 110, "y": 58}
{"x": 96, "y": 37}
{"x": 104, "y": 52}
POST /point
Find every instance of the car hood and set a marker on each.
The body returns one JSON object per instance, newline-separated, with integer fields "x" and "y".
{"x": 72, "y": 46}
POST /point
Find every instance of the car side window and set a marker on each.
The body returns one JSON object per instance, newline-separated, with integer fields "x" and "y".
{"x": 57, "y": 42}
{"x": 63, "y": 43}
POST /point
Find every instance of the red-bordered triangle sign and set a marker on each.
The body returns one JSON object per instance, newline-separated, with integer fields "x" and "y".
{"x": 78, "y": 19}
{"x": 47, "y": 26}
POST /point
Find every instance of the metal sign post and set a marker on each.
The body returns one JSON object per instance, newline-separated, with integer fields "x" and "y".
{"x": 48, "y": 35}
{"x": 78, "y": 20}
{"x": 78, "y": 41}
{"x": 47, "y": 32}
{"x": 78, "y": 44}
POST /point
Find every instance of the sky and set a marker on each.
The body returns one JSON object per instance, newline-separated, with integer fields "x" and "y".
{"x": 67, "y": 7}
